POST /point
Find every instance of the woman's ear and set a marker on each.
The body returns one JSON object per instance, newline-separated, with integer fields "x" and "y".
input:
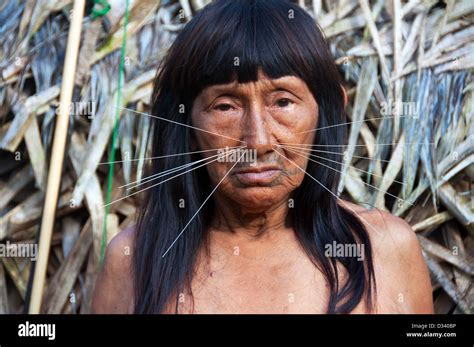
{"x": 344, "y": 93}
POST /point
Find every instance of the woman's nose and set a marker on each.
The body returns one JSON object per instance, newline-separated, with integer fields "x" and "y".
{"x": 257, "y": 132}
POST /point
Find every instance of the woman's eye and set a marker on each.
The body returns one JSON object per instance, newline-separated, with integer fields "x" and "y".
{"x": 284, "y": 102}
{"x": 223, "y": 107}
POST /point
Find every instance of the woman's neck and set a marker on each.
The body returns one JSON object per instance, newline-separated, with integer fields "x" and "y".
{"x": 246, "y": 222}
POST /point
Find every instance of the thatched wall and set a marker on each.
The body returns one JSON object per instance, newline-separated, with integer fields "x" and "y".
{"x": 418, "y": 52}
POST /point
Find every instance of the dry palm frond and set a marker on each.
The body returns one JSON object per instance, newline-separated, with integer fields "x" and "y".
{"x": 416, "y": 52}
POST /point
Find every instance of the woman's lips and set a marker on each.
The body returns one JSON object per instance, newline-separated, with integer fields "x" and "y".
{"x": 253, "y": 177}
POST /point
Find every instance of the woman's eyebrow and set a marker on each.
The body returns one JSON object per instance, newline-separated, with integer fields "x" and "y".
{"x": 296, "y": 91}
{"x": 217, "y": 91}
{"x": 233, "y": 90}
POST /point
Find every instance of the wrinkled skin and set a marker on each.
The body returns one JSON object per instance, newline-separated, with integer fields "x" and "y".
{"x": 255, "y": 264}
{"x": 259, "y": 115}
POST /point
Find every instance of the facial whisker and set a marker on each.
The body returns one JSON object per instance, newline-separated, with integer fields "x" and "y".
{"x": 219, "y": 156}
{"x": 370, "y": 185}
{"x": 337, "y": 153}
{"x": 375, "y": 144}
{"x": 169, "y": 155}
{"x": 322, "y": 185}
{"x": 169, "y": 171}
{"x": 200, "y": 207}
{"x": 334, "y": 161}
{"x": 142, "y": 190}
{"x": 356, "y": 121}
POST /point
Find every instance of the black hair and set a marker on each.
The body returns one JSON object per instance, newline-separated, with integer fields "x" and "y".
{"x": 224, "y": 42}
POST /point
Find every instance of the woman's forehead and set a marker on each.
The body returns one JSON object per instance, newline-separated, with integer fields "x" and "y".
{"x": 263, "y": 82}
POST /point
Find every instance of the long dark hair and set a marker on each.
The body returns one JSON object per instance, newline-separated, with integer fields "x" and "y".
{"x": 230, "y": 40}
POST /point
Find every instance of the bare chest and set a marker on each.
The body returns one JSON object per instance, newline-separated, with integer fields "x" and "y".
{"x": 241, "y": 285}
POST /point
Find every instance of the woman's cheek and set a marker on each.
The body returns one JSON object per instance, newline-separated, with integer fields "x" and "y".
{"x": 295, "y": 125}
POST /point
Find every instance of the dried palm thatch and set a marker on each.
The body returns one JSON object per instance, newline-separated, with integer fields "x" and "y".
{"x": 408, "y": 71}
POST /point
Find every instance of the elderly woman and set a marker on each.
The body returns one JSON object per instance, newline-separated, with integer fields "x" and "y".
{"x": 261, "y": 235}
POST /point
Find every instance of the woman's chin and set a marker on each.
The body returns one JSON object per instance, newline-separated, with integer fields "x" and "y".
{"x": 257, "y": 199}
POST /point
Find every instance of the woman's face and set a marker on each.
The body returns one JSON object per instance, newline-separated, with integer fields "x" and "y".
{"x": 261, "y": 115}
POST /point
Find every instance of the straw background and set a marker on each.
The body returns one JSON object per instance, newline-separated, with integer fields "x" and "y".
{"x": 418, "y": 54}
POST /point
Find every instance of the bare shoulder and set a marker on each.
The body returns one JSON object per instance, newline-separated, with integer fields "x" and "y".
{"x": 113, "y": 291}
{"x": 385, "y": 229}
{"x": 403, "y": 281}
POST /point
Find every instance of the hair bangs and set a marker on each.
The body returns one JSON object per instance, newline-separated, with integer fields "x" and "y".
{"x": 249, "y": 39}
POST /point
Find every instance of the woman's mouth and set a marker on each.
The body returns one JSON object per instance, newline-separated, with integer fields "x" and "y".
{"x": 253, "y": 176}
